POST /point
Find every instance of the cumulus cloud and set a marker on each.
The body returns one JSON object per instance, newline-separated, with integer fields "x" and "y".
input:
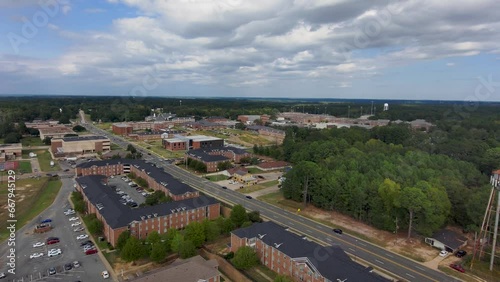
{"x": 241, "y": 43}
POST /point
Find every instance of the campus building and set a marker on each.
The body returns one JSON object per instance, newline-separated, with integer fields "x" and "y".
{"x": 102, "y": 200}
{"x": 289, "y": 254}
{"x": 10, "y": 151}
{"x": 79, "y": 145}
{"x": 157, "y": 178}
{"x": 55, "y": 132}
{"x": 211, "y": 157}
{"x": 192, "y": 142}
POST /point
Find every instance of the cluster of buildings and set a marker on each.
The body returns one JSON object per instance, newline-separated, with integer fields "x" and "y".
{"x": 289, "y": 254}
{"x": 322, "y": 121}
{"x": 79, "y": 145}
{"x": 187, "y": 205}
{"x": 10, "y": 152}
{"x": 212, "y": 156}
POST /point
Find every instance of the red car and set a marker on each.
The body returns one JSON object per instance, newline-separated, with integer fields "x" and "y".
{"x": 91, "y": 251}
{"x": 53, "y": 241}
{"x": 457, "y": 267}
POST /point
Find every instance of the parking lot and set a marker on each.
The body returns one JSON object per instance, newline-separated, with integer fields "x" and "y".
{"x": 118, "y": 183}
{"x": 35, "y": 269}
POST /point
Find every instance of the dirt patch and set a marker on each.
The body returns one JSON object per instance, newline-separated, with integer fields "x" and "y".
{"x": 414, "y": 248}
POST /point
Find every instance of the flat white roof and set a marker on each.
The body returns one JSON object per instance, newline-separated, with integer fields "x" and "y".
{"x": 202, "y": 138}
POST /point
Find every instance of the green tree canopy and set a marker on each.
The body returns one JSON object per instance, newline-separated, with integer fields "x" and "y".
{"x": 245, "y": 258}
{"x": 238, "y": 215}
{"x": 195, "y": 232}
{"x": 133, "y": 250}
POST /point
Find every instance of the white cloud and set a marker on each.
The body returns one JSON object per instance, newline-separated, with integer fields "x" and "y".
{"x": 94, "y": 11}
{"x": 450, "y": 64}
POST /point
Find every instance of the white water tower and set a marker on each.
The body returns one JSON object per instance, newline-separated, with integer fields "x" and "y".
{"x": 386, "y": 107}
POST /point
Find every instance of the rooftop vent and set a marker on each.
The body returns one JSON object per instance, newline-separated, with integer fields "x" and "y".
{"x": 183, "y": 208}
{"x": 172, "y": 210}
{"x": 149, "y": 216}
{"x": 142, "y": 217}
{"x": 178, "y": 209}
{"x": 261, "y": 236}
{"x": 277, "y": 245}
{"x": 155, "y": 214}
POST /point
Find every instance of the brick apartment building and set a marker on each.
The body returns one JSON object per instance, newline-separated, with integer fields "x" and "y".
{"x": 171, "y": 133}
{"x": 79, "y": 145}
{"x": 146, "y": 136}
{"x": 174, "y": 144}
{"x": 279, "y": 135}
{"x": 217, "y": 119}
{"x": 211, "y": 157}
{"x": 37, "y": 124}
{"x": 157, "y": 178}
{"x": 102, "y": 200}
{"x": 205, "y": 125}
{"x": 123, "y": 129}
{"x": 289, "y": 254}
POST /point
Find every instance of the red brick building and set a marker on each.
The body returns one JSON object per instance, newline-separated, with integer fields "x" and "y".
{"x": 211, "y": 157}
{"x": 145, "y": 136}
{"x": 121, "y": 129}
{"x": 174, "y": 144}
{"x": 79, "y": 145}
{"x": 101, "y": 199}
{"x": 192, "y": 142}
{"x": 289, "y": 254}
{"x": 157, "y": 178}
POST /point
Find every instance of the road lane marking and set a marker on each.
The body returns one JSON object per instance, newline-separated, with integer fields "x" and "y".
{"x": 419, "y": 268}
{"x": 379, "y": 261}
{"x": 410, "y": 275}
{"x": 352, "y": 249}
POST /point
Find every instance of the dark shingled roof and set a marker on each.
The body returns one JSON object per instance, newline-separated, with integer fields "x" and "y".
{"x": 331, "y": 262}
{"x": 118, "y": 215}
{"x": 201, "y": 154}
{"x": 159, "y": 175}
{"x": 449, "y": 238}
{"x": 82, "y": 138}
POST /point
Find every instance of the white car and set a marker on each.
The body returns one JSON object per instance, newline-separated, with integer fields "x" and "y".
{"x": 36, "y": 255}
{"x": 443, "y": 253}
{"x": 73, "y": 218}
{"x": 54, "y": 252}
{"x": 76, "y": 223}
{"x": 105, "y": 274}
{"x": 38, "y": 244}
{"x": 69, "y": 212}
{"x": 81, "y": 237}
{"x": 78, "y": 229}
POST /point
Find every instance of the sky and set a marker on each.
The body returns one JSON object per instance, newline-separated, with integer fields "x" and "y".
{"x": 377, "y": 49}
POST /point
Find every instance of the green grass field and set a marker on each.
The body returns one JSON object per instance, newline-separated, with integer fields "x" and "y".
{"x": 32, "y": 141}
{"x": 44, "y": 159}
{"x": 260, "y": 273}
{"x": 32, "y": 193}
{"x": 269, "y": 183}
{"x": 250, "y": 189}
{"x": 254, "y": 170}
{"x": 25, "y": 167}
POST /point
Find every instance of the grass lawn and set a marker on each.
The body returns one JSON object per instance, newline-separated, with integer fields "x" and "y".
{"x": 217, "y": 177}
{"x": 254, "y": 170}
{"x": 44, "y": 159}
{"x": 104, "y": 125}
{"x": 157, "y": 147}
{"x": 269, "y": 183}
{"x": 255, "y": 274}
{"x": 115, "y": 147}
{"x": 254, "y": 139}
{"x": 250, "y": 189}
{"x": 32, "y": 193}
{"x": 25, "y": 167}
{"x": 32, "y": 141}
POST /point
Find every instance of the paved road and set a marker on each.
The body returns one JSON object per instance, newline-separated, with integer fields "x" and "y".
{"x": 376, "y": 256}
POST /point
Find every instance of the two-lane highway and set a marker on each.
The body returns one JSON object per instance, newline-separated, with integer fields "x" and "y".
{"x": 374, "y": 255}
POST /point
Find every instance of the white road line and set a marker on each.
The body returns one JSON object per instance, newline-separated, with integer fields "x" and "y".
{"x": 352, "y": 249}
{"x": 391, "y": 256}
{"x": 275, "y": 216}
{"x": 301, "y": 219}
{"x": 379, "y": 261}
{"x": 362, "y": 244}
{"x": 419, "y": 267}
{"x": 291, "y": 223}
{"x": 410, "y": 275}
{"x": 328, "y": 239}
{"x": 309, "y": 231}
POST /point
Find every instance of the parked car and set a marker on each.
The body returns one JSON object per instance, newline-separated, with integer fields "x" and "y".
{"x": 73, "y": 218}
{"x": 105, "y": 274}
{"x": 2, "y": 275}
{"x": 76, "y": 224}
{"x": 89, "y": 247}
{"x": 337, "y": 230}
{"x": 38, "y": 244}
{"x": 461, "y": 253}
{"x": 86, "y": 242}
{"x": 248, "y": 197}
{"x": 68, "y": 266}
{"x": 76, "y": 264}
{"x": 36, "y": 255}
{"x": 81, "y": 237}
{"x": 443, "y": 253}
{"x": 53, "y": 241}
{"x": 78, "y": 229}
{"x": 52, "y": 271}
{"x": 457, "y": 267}
{"x": 46, "y": 220}
{"x": 91, "y": 251}
{"x": 224, "y": 187}
{"x": 54, "y": 252}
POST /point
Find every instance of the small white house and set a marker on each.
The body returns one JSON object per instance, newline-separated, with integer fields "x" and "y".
{"x": 447, "y": 240}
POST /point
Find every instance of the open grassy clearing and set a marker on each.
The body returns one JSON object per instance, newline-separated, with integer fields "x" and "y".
{"x": 217, "y": 177}
{"x": 25, "y": 167}
{"x": 37, "y": 194}
{"x": 44, "y": 159}
{"x": 32, "y": 141}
